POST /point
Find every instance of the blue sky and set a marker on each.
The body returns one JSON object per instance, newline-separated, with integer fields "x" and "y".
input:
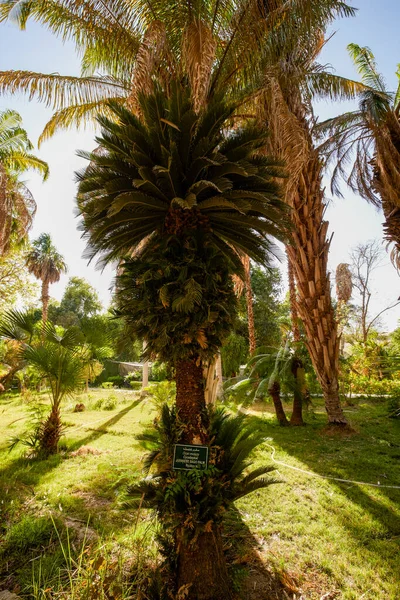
{"x": 351, "y": 220}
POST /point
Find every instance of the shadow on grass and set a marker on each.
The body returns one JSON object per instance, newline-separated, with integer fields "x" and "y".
{"x": 103, "y": 428}
{"x": 252, "y": 578}
{"x": 19, "y": 477}
{"x": 371, "y": 456}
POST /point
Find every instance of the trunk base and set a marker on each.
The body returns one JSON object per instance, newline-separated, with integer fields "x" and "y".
{"x": 202, "y": 571}
{"x": 51, "y": 433}
{"x": 275, "y": 393}
{"x": 339, "y": 429}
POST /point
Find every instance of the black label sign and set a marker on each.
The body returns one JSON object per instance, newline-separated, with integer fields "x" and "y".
{"x": 187, "y": 457}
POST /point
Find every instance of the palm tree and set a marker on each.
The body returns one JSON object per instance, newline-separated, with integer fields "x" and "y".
{"x": 46, "y": 264}
{"x": 262, "y": 52}
{"x": 344, "y": 288}
{"x": 17, "y": 206}
{"x": 233, "y": 440}
{"x": 293, "y": 79}
{"x": 370, "y": 138}
{"x": 180, "y": 195}
{"x": 57, "y": 358}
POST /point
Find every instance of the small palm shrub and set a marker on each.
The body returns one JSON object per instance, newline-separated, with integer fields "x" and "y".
{"x": 189, "y": 503}
{"x": 57, "y": 358}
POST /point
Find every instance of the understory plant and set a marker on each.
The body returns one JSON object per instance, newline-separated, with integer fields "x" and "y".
{"x": 191, "y": 503}
{"x": 58, "y": 358}
{"x": 271, "y": 372}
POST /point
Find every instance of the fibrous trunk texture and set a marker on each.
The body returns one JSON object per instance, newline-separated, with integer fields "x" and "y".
{"x": 202, "y": 571}
{"x": 190, "y": 400}
{"x": 294, "y": 317}
{"x": 202, "y": 568}
{"x": 275, "y": 393}
{"x": 51, "y": 432}
{"x": 5, "y": 213}
{"x": 45, "y": 300}
{"x": 308, "y": 254}
{"x": 298, "y": 374}
{"x": 249, "y": 304}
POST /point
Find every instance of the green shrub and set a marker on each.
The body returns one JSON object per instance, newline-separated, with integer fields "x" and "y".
{"x": 158, "y": 371}
{"x": 107, "y": 385}
{"x": 116, "y": 380}
{"x": 135, "y": 385}
{"x": 162, "y": 393}
{"x": 367, "y": 386}
{"x": 107, "y": 403}
{"x": 189, "y": 501}
{"x": 29, "y": 533}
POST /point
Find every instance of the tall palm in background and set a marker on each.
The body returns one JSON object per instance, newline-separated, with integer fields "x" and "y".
{"x": 293, "y": 79}
{"x": 369, "y": 138}
{"x": 17, "y": 205}
{"x": 46, "y": 264}
{"x": 179, "y": 196}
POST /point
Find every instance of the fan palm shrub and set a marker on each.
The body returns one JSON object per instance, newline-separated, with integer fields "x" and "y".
{"x": 175, "y": 196}
{"x": 190, "y": 503}
{"x": 57, "y": 357}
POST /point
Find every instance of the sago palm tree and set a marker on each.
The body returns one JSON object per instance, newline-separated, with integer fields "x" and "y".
{"x": 175, "y": 196}
{"x": 46, "y": 264}
{"x": 369, "y": 138}
{"x": 17, "y": 206}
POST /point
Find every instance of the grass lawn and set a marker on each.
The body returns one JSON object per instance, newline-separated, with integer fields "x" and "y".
{"x": 317, "y": 536}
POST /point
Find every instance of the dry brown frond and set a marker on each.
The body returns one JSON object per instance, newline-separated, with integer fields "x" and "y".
{"x": 344, "y": 284}
{"x": 288, "y": 139}
{"x": 198, "y": 55}
{"x": 148, "y": 58}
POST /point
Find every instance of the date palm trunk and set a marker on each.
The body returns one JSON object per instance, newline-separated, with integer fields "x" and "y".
{"x": 308, "y": 253}
{"x": 201, "y": 571}
{"x": 5, "y": 212}
{"x": 45, "y": 299}
{"x": 297, "y": 365}
{"x": 275, "y": 393}
{"x": 249, "y": 305}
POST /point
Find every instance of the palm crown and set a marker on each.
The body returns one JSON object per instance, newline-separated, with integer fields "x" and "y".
{"x": 180, "y": 195}
{"x": 368, "y": 139}
{"x": 44, "y": 261}
{"x": 17, "y": 206}
{"x": 129, "y": 42}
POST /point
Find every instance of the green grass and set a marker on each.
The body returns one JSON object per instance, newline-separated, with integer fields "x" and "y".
{"x": 317, "y": 535}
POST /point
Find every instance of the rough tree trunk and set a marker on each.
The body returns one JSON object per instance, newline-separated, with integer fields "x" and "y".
{"x": 5, "y": 213}
{"x": 294, "y": 315}
{"x": 275, "y": 393}
{"x": 5, "y": 380}
{"x": 308, "y": 253}
{"x": 249, "y": 304}
{"x": 202, "y": 569}
{"x": 51, "y": 432}
{"x": 297, "y": 411}
{"x": 45, "y": 300}
{"x": 298, "y": 374}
